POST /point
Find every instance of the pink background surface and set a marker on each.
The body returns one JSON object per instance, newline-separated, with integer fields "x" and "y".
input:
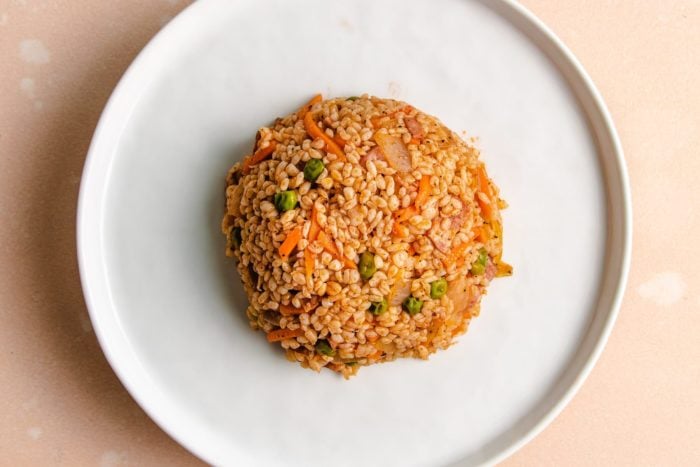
{"x": 62, "y": 404}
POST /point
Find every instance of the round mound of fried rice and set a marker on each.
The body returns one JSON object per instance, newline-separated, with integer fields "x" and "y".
{"x": 364, "y": 230}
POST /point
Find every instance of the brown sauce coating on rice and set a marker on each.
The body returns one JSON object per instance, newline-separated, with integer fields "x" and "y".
{"x": 364, "y": 231}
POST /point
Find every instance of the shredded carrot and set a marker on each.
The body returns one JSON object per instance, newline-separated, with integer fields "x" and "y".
{"x": 350, "y": 264}
{"x": 484, "y": 184}
{"x": 376, "y": 121}
{"x": 330, "y": 247}
{"x": 339, "y": 141}
{"x": 402, "y": 215}
{"x": 481, "y": 234}
{"x": 288, "y": 310}
{"x": 283, "y": 334}
{"x": 423, "y": 191}
{"x": 309, "y": 263}
{"x": 487, "y": 207}
{"x": 306, "y": 107}
{"x": 414, "y": 141}
{"x": 406, "y": 213}
{"x": 399, "y": 230}
{"x": 327, "y": 244}
{"x": 316, "y": 233}
{"x": 290, "y": 243}
{"x": 456, "y": 255}
{"x": 411, "y": 249}
{"x": 259, "y": 156}
{"x": 315, "y": 132}
{"x": 315, "y": 226}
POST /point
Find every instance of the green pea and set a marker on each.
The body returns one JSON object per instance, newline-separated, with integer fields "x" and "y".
{"x": 438, "y": 288}
{"x": 312, "y": 169}
{"x": 285, "y": 200}
{"x": 412, "y": 305}
{"x": 366, "y": 266}
{"x": 324, "y": 348}
{"x": 379, "y": 308}
{"x": 479, "y": 266}
{"x": 236, "y": 237}
{"x": 353, "y": 98}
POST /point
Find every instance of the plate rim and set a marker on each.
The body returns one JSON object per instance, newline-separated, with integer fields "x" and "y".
{"x": 89, "y": 221}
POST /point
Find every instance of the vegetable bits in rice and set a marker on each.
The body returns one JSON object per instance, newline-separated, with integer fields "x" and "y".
{"x": 364, "y": 230}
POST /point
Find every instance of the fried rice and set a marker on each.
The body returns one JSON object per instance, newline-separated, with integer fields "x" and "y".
{"x": 364, "y": 230}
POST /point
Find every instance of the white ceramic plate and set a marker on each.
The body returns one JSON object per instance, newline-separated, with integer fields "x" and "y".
{"x": 166, "y": 304}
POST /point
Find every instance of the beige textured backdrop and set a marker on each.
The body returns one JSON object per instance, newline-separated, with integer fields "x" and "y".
{"x": 60, "y": 403}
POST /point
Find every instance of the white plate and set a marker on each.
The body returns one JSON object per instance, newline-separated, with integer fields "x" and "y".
{"x": 166, "y": 304}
